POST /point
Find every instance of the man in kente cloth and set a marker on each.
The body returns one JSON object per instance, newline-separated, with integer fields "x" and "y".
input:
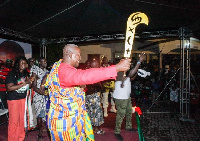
{"x": 68, "y": 119}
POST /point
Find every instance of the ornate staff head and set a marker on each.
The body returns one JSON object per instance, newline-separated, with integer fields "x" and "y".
{"x": 133, "y": 20}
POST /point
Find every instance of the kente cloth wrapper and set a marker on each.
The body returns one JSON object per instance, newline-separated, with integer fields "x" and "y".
{"x": 28, "y": 115}
{"x": 67, "y": 111}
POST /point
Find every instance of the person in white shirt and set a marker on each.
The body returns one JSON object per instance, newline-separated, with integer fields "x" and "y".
{"x": 122, "y": 99}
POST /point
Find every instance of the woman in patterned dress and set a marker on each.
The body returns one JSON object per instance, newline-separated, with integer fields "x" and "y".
{"x": 93, "y": 102}
{"x": 39, "y": 98}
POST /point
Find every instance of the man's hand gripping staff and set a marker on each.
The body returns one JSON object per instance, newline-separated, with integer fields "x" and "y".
{"x": 123, "y": 65}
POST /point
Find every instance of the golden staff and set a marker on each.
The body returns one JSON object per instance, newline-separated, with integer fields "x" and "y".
{"x": 133, "y": 20}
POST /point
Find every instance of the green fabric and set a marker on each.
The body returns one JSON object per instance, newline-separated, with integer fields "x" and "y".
{"x": 88, "y": 129}
{"x": 141, "y": 137}
{"x": 137, "y": 92}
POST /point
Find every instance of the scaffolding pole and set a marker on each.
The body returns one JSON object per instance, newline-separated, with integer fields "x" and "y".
{"x": 185, "y": 76}
{"x": 43, "y": 50}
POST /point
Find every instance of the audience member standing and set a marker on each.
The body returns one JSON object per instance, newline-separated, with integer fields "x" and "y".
{"x": 109, "y": 86}
{"x": 31, "y": 67}
{"x": 174, "y": 94}
{"x": 93, "y": 102}
{"x": 5, "y": 69}
{"x": 31, "y": 63}
{"x": 155, "y": 90}
{"x": 17, "y": 84}
{"x": 47, "y": 100}
{"x": 39, "y": 99}
{"x": 122, "y": 98}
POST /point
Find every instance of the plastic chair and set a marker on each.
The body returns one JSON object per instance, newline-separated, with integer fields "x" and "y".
{"x": 3, "y": 111}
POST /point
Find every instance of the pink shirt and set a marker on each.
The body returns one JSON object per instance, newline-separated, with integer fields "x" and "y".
{"x": 70, "y": 76}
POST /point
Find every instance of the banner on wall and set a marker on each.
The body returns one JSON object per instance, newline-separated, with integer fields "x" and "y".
{"x": 10, "y": 49}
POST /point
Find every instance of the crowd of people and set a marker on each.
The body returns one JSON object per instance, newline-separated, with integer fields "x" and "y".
{"x": 71, "y": 103}
{"x": 19, "y": 83}
{"x": 157, "y": 86}
{"x": 72, "y": 108}
{"x": 164, "y": 85}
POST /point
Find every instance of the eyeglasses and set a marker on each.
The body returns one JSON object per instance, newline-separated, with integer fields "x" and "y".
{"x": 9, "y": 61}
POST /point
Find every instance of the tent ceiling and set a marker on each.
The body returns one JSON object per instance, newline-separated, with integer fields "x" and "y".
{"x": 69, "y": 18}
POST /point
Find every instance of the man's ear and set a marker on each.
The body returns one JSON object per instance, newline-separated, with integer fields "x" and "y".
{"x": 70, "y": 55}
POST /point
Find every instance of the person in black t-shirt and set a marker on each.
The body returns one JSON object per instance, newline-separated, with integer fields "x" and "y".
{"x": 18, "y": 82}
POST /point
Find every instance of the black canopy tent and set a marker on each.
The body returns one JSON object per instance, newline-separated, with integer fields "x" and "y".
{"x": 79, "y": 21}
{"x": 35, "y": 20}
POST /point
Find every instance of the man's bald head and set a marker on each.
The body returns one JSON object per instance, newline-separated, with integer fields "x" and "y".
{"x": 71, "y": 55}
{"x": 95, "y": 64}
{"x": 68, "y": 49}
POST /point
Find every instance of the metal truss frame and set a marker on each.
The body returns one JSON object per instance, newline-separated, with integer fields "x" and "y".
{"x": 11, "y": 33}
{"x": 185, "y": 52}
